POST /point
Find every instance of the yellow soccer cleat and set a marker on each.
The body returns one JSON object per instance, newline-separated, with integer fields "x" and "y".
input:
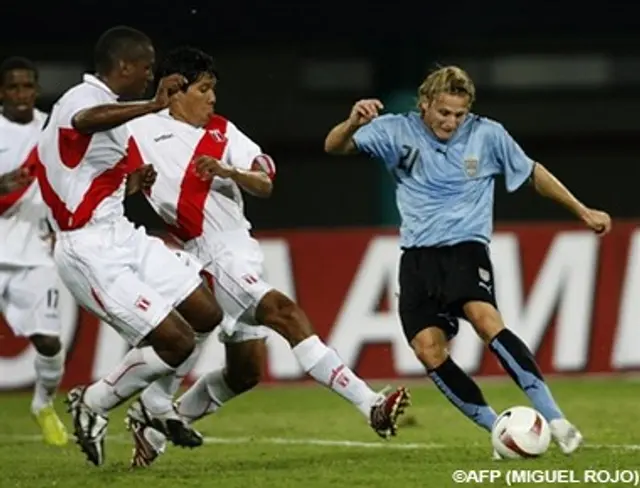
{"x": 53, "y": 430}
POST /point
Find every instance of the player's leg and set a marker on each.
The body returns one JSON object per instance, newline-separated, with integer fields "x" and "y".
{"x": 477, "y": 296}
{"x": 430, "y": 346}
{"x": 31, "y": 310}
{"x": 49, "y": 367}
{"x": 246, "y": 296}
{"x": 178, "y": 281}
{"x": 161, "y": 342}
{"x": 245, "y": 353}
{"x": 199, "y": 308}
{"x": 155, "y": 405}
{"x": 428, "y": 328}
{"x": 281, "y": 314}
{"x": 517, "y": 359}
{"x": 99, "y": 272}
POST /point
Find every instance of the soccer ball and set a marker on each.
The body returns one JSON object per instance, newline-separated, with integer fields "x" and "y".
{"x": 520, "y": 432}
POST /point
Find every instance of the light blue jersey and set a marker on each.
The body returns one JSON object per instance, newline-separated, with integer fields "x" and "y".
{"x": 445, "y": 191}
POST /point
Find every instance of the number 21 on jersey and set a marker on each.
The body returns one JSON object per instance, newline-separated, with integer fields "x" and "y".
{"x": 407, "y": 161}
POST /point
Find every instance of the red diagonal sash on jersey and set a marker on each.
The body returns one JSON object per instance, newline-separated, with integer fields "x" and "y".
{"x": 72, "y": 146}
{"x": 8, "y": 200}
{"x": 194, "y": 190}
{"x": 101, "y": 187}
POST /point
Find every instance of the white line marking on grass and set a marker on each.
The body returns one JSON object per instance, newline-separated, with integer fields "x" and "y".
{"x": 322, "y": 442}
{"x": 124, "y": 439}
{"x": 621, "y": 447}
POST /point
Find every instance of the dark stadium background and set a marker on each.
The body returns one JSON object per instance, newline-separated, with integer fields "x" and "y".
{"x": 563, "y": 80}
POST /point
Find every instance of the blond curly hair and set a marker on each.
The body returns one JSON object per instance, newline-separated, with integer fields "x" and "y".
{"x": 447, "y": 79}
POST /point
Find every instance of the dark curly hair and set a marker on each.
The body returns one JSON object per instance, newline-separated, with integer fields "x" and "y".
{"x": 190, "y": 62}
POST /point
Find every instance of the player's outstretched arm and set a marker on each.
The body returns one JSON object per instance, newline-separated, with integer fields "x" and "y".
{"x": 105, "y": 117}
{"x": 547, "y": 185}
{"x": 255, "y": 181}
{"x": 340, "y": 138}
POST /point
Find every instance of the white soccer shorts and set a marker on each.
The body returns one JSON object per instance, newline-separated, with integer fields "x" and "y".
{"x": 29, "y": 299}
{"x": 127, "y": 278}
{"x": 240, "y": 332}
{"x": 234, "y": 261}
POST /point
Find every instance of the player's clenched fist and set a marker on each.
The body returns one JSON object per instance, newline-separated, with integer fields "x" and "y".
{"x": 598, "y": 221}
{"x": 167, "y": 86}
{"x": 142, "y": 179}
{"x": 207, "y": 167}
{"x": 365, "y": 111}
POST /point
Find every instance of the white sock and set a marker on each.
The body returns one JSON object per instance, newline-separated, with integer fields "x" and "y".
{"x": 138, "y": 368}
{"x": 325, "y": 366}
{"x": 49, "y": 371}
{"x": 158, "y": 396}
{"x": 205, "y": 396}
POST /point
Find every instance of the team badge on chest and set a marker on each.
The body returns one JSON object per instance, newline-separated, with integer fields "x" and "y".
{"x": 471, "y": 166}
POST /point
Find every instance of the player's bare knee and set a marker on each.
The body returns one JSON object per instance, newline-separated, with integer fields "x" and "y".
{"x": 430, "y": 347}
{"x": 173, "y": 340}
{"x": 201, "y": 310}
{"x": 207, "y": 319}
{"x": 280, "y": 313}
{"x": 46, "y": 345}
{"x": 485, "y": 319}
{"x": 184, "y": 347}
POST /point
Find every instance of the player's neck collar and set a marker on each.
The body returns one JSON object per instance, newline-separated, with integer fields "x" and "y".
{"x": 19, "y": 122}
{"x": 97, "y": 82}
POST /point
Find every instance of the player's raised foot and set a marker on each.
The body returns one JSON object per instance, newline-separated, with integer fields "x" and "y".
{"x": 53, "y": 430}
{"x": 385, "y": 412}
{"x": 174, "y": 427}
{"x": 566, "y": 435}
{"x": 89, "y": 427}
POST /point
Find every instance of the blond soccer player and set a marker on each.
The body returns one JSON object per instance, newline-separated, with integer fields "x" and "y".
{"x": 445, "y": 161}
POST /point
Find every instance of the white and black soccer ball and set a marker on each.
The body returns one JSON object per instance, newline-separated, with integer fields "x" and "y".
{"x": 520, "y": 432}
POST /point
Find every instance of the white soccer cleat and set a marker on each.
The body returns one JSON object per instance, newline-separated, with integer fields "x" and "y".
{"x": 496, "y": 456}
{"x": 89, "y": 427}
{"x": 566, "y": 435}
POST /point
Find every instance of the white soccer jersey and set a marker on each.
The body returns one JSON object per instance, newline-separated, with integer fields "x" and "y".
{"x": 241, "y": 153}
{"x": 192, "y": 206}
{"x": 82, "y": 177}
{"x": 22, "y": 212}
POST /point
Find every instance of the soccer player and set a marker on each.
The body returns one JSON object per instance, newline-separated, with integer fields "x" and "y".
{"x": 445, "y": 161}
{"x": 130, "y": 280}
{"x": 28, "y": 279}
{"x": 203, "y": 161}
